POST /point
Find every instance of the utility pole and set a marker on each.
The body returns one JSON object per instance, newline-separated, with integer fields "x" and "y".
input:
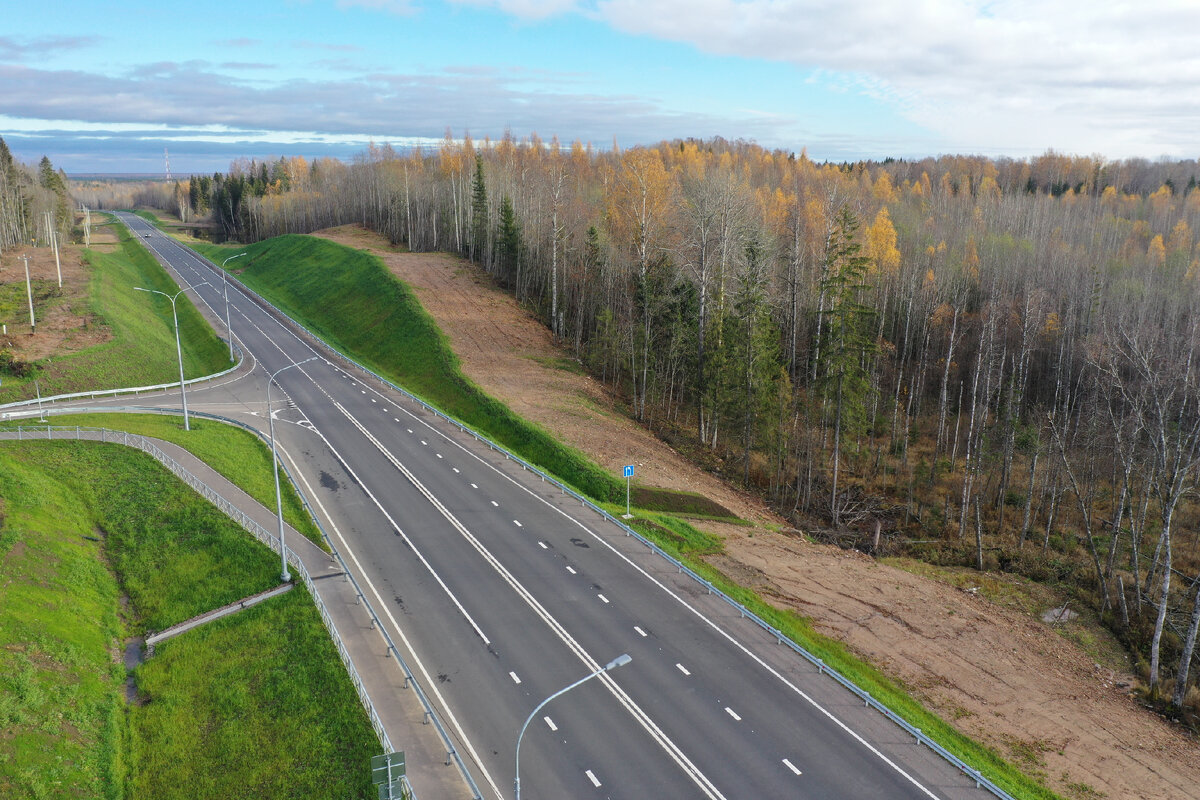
{"x": 29, "y": 293}
{"x": 87, "y": 227}
{"x": 54, "y": 244}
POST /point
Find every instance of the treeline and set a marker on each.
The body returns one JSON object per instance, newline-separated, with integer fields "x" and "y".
{"x": 27, "y": 194}
{"x": 1000, "y": 356}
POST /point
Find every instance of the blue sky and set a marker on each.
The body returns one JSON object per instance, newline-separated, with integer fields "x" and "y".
{"x": 105, "y": 90}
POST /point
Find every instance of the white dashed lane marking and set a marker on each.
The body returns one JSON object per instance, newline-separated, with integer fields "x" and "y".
{"x": 595, "y": 781}
{"x": 455, "y": 469}
{"x": 682, "y": 669}
{"x": 497, "y": 505}
{"x": 602, "y": 597}
{"x": 554, "y": 727}
{"x": 732, "y": 713}
{"x": 639, "y": 630}
{"x": 517, "y": 522}
{"x": 473, "y": 486}
{"x": 543, "y": 545}
{"x": 513, "y": 675}
{"x": 792, "y": 767}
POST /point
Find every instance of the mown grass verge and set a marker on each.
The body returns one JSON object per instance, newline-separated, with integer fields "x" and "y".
{"x": 235, "y": 453}
{"x": 258, "y": 707}
{"x": 255, "y": 705}
{"x": 141, "y": 350}
{"x": 348, "y": 298}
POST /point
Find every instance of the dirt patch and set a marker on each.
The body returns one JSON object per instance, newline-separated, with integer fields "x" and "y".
{"x": 65, "y": 322}
{"x": 505, "y": 350}
{"x": 998, "y": 673}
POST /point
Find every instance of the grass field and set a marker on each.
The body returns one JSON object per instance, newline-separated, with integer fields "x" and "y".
{"x": 235, "y": 453}
{"x": 141, "y": 351}
{"x": 69, "y": 509}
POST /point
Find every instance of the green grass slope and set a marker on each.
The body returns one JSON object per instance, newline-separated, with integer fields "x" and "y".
{"x": 68, "y": 510}
{"x": 350, "y": 299}
{"x": 141, "y": 351}
{"x": 235, "y": 453}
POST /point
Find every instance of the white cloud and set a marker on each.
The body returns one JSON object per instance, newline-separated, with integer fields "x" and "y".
{"x": 1122, "y": 78}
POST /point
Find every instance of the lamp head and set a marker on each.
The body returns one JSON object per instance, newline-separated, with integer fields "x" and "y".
{"x": 619, "y": 661}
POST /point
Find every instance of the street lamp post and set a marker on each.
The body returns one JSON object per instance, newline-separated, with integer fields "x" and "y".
{"x": 284, "y": 575}
{"x": 178, "y": 349}
{"x": 225, "y": 290}
{"x": 619, "y": 661}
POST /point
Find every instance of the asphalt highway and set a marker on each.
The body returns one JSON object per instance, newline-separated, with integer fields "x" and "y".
{"x": 506, "y": 591}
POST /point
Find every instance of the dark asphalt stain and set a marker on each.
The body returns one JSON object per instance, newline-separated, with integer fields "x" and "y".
{"x": 328, "y": 481}
{"x": 579, "y": 543}
{"x": 443, "y": 677}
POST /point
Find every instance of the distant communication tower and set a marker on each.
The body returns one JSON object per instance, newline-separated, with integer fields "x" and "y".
{"x": 167, "y": 161}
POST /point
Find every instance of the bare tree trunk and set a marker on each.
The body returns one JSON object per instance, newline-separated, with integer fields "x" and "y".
{"x": 1163, "y": 597}
{"x": 1028, "y": 501}
{"x": 1189, "y": 646}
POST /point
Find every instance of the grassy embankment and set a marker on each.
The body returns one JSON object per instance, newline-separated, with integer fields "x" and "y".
{"x": 349, "y": 298}
{"x": 141, "y": 350}
{"x": 256, "y": 705}
{"x": 235, "y": 453}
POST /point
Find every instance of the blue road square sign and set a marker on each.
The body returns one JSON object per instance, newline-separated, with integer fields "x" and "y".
{"x": 628, "y": 471}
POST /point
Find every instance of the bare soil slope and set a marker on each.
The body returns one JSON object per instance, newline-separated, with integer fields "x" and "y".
{"x": 999, "y": 673}
{"x": 65, "y": 323}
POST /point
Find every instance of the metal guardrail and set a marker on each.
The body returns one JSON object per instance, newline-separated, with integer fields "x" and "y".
{"x": 147, "y": 445}
{"x": 981, "y": 781}
{"x": 134, "y": 390}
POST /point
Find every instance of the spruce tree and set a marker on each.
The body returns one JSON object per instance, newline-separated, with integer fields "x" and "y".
{"x": 845, "y": 380}
{"x": 479, "y": 215}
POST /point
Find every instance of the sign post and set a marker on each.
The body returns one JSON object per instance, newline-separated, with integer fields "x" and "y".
{"x": 628, "y": 476}
{"x": 389, "y": 774}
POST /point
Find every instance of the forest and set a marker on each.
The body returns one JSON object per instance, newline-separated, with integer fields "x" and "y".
{"x": 34, "y": 201}
{"x": 976, "y": 361}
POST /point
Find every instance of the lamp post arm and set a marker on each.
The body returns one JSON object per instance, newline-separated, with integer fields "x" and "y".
{"x": 225, "y": 291}
{"x": 619, "y": 661}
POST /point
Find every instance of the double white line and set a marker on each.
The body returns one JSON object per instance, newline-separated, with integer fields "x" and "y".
{"x": 656, "y": 733}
